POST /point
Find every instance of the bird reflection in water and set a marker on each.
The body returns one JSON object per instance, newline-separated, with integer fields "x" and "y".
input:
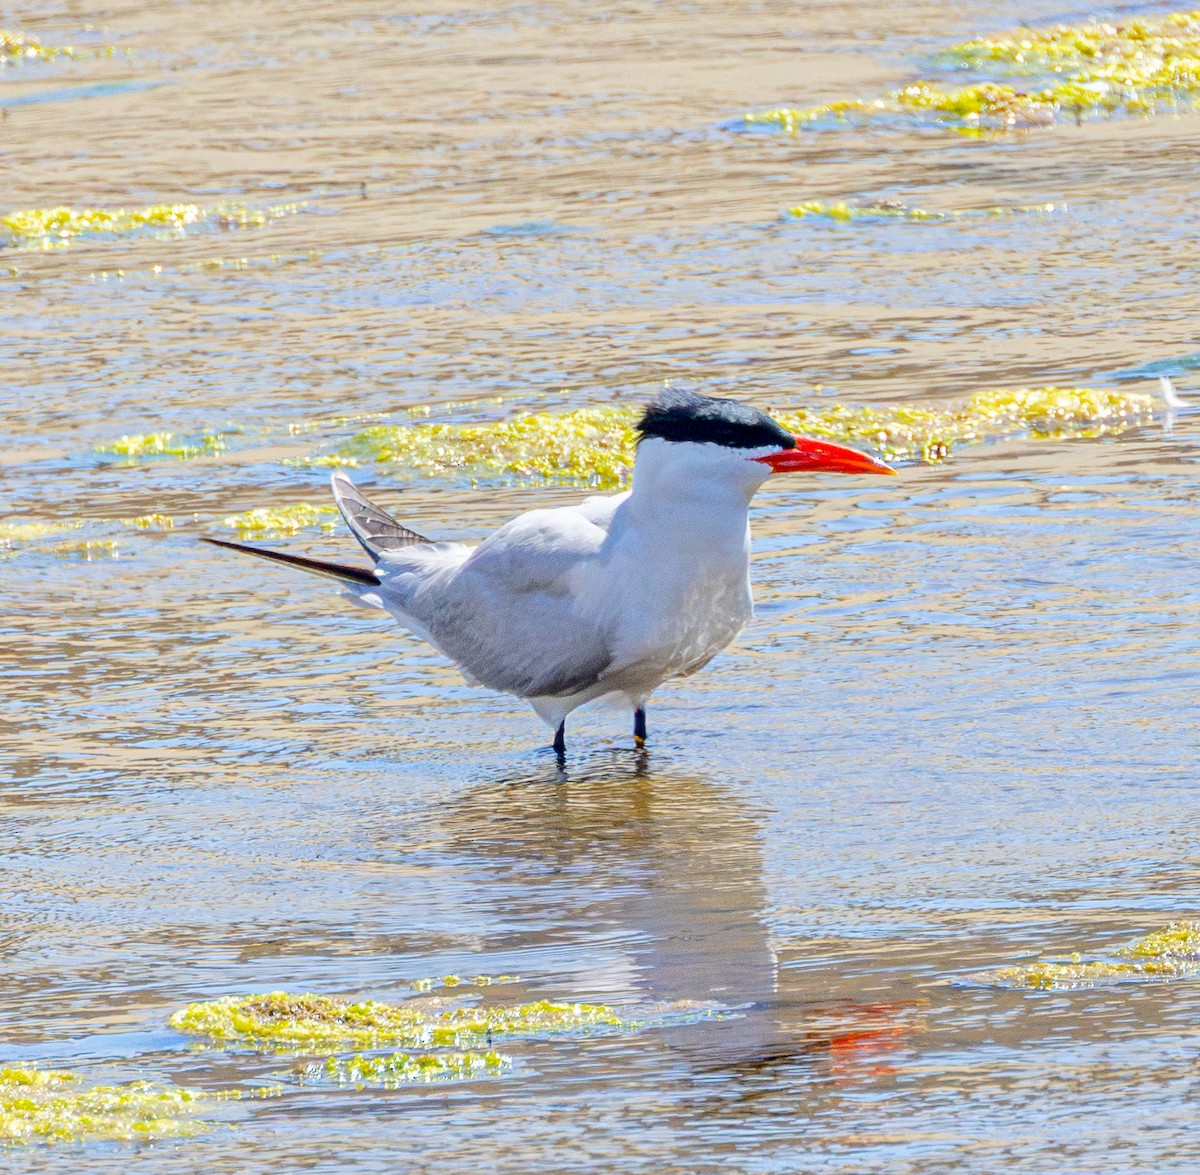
{"x": 644, "y": 889}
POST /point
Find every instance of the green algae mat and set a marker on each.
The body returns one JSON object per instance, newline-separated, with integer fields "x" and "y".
{"x": 842, "y": 211}
{"x": 59, "y": 226}
{"x": 594, "y": 447}
{"x": 286, "y": 1022}
{"x": 53, "y": 1105}
{"x": 281, "y": 1018}
{"x": 17, "y": 47}
{"x": 56, "y": 1105}
{"x": 280, "y": 521}
{"x": 396, "y": 1069}
{"x": 166, "y": 444}
{"x": 1140, "y": 65}
{"x": 1170, "y": 953}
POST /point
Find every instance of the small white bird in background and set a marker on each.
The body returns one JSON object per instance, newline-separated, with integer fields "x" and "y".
{"x": 609, "y": 597}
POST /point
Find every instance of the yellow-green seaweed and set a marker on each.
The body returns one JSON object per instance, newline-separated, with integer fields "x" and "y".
{"x": 280, "y": 520}
{"x": 985, "y": 103}
{"x": 1170, "y": 953}
{"x": 792, "y": 118}
{"x": 1135, "y": 66}
{"x": 52, "y": 1105}
{"x": 1180, "y": 940}
{"x": 282, "y": 1019}
{"x": 1077, "y": 972}
{"x": 164, "y": 444}
{"x": 456, "y": 981}
{"x": 1131, "y": 47}
{"x": 16, "y": 47}
{"x": 589, "y": 446}
{"x": 842, "y": 211}
{"x": 988, "y": 105}
{"x": 396, "y": 1069}
{"x": 60, "y": 225}
{"x": 594, "y": 446}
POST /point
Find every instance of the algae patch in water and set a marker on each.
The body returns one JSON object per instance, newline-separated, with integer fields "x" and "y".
{"x": 1170, "y": 953}
{"x": 1076, "y": 972}
{"x": 841, "y": 211}
{"x": 458, "y": 981}
{"x": 17, "y": 47}
{"x": 589, "y": 446}
{"x": 397, "y": 1069}
{"x": 280, "y": 521}
{"x": 930, "y": 432}
{"x": 165, "y": 444}
{"x": 281, "y": 1019}
{"x": 984, "y": 105}
{"x": 595, "y": 446}
{"x": 61, "y": 225}
{"x": 1135, "y": 66}
{"x": 1180, "y": 940}
{"x": 1137, "y": 48}
{"x": 50, "y": 1105}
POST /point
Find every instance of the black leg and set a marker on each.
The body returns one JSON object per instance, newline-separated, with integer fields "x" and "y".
{"x": 560, "y": 740}
{"x": 639, "y": 726}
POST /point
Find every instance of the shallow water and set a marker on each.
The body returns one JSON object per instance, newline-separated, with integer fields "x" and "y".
{"x": 958, "y": 735}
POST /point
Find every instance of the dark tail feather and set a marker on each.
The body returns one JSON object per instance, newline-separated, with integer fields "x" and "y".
{"x": 340, "y": 571}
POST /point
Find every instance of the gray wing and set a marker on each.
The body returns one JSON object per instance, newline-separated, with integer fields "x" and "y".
{"x": 374, "y": 528}
{"x": 507, "y": 615}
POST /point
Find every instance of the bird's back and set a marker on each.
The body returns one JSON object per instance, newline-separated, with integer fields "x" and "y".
{"x": 506, "y": 611}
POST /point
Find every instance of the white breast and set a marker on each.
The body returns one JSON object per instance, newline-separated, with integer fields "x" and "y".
{"x": 674, "y": 582}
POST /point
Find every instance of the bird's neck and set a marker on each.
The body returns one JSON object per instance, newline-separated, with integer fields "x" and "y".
{"x": 696, "y": 509}
{"x": 696, "y": 517}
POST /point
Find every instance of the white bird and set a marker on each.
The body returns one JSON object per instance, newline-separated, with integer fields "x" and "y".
{"x": 612, "y": 596}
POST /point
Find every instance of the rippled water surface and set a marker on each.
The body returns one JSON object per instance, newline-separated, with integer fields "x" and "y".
{"x": 959, "y": 735}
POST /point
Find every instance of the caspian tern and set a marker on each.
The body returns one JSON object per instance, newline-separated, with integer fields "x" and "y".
{"x": 610, "y": 597}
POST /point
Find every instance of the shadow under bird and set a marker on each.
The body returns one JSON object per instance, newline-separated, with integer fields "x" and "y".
{"x": 612, "y": 596}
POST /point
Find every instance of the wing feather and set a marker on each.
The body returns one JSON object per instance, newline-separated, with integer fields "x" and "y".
{"x": 507, "y": 615}
{"x": 374, "y": 528}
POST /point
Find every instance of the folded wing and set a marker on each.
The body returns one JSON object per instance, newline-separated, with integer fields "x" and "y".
{"x": 507, "y": 614}
{"x": 374, "y": 528}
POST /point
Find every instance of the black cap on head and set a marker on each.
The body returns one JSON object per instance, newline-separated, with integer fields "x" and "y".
{"x": 678, "y": 415}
